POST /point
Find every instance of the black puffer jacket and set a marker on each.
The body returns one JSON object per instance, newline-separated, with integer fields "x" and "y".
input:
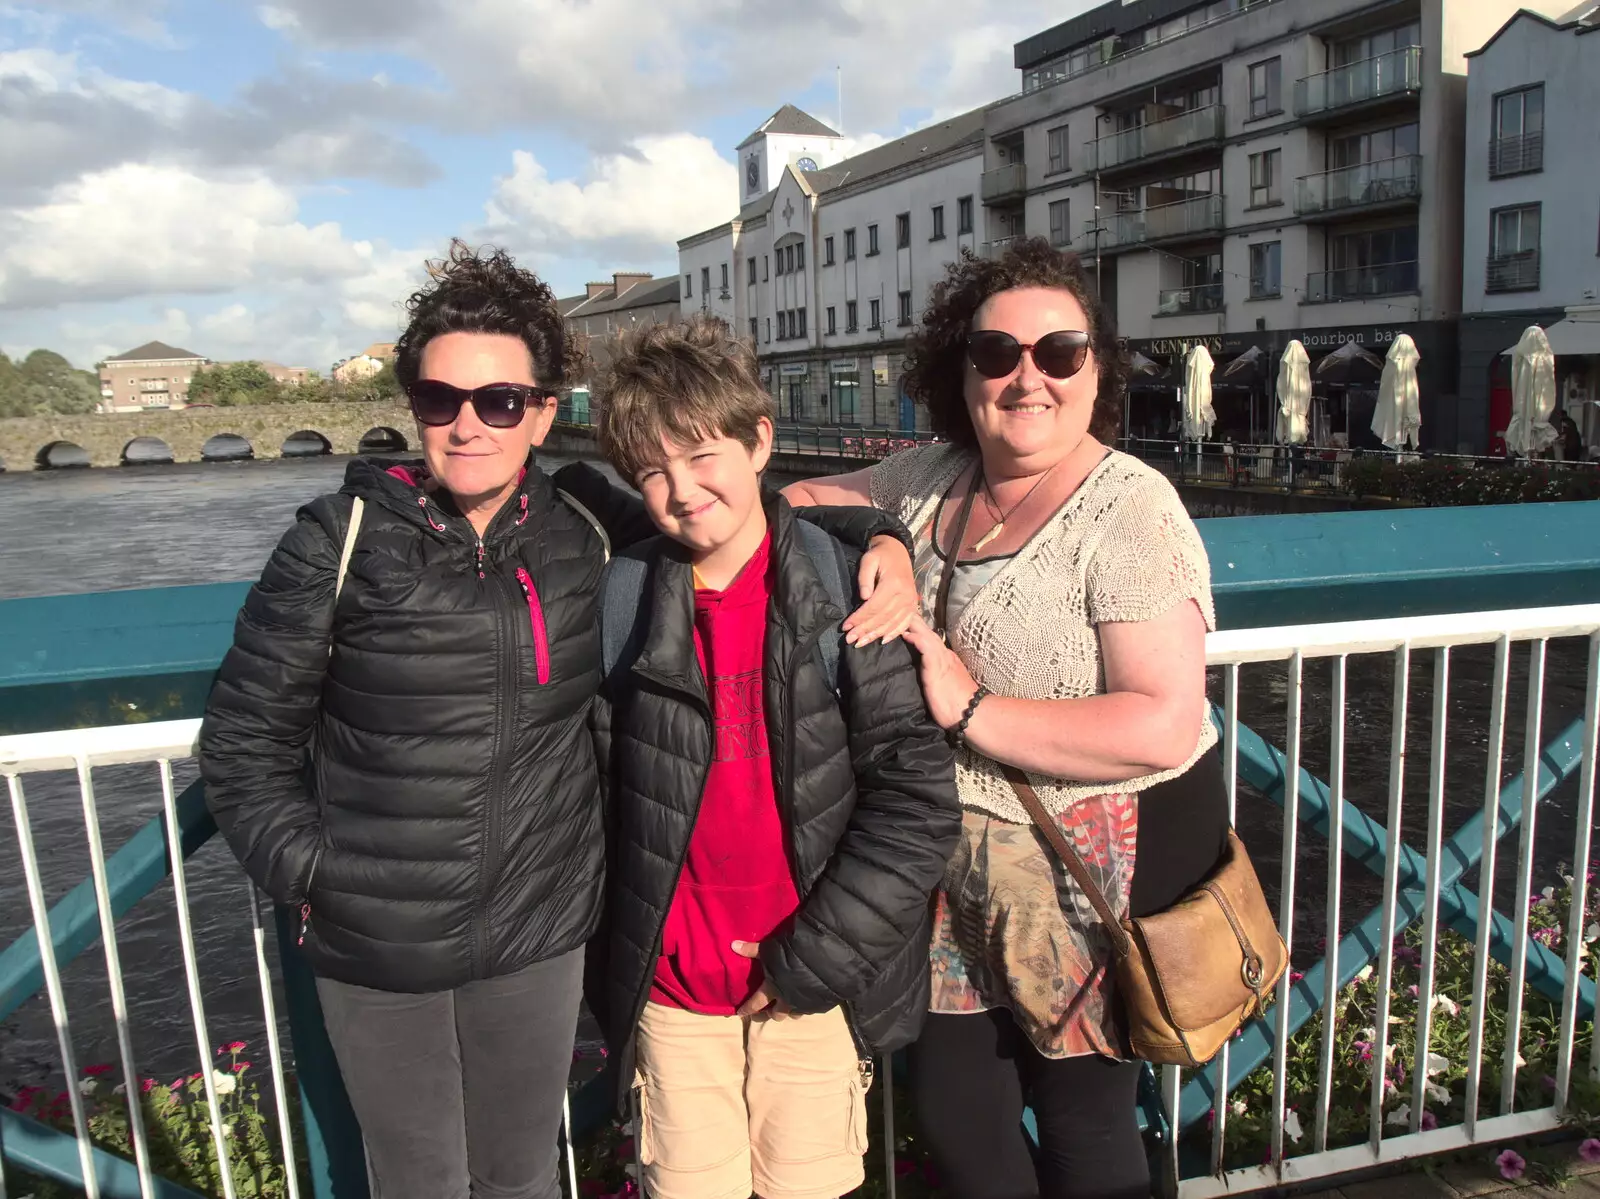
{"x": 449, "y": 825}
{"x": 865, "y": 786}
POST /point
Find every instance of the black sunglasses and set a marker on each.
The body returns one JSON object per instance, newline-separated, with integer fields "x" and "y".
{"x": 995, "y": 354}
{"x": 498, "y": 405}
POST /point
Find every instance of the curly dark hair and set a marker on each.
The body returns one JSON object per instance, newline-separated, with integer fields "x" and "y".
{"x": 484, "y": 291}
{"x": 936, "y": 360}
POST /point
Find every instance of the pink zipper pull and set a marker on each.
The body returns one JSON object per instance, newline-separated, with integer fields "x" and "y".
{"x": 541, "y": 645}
{"x": 305, "y": 923}
{"x": 480, "y": 557}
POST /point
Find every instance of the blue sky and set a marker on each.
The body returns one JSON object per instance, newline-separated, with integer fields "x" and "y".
{"x": 265, "y": 179}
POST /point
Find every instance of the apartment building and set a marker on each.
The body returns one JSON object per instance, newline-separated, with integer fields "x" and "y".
{"x": 828, "y": 270}
{"x": 1244, "y": 172}
{"x": 607, "y": 310}
{"x": 155, "y": 375}
{"x": 1532, "y": 253}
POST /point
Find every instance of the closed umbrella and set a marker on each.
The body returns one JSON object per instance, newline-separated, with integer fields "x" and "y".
{"x": 1198, "y": 415}
{"x": 1140, "y": 366}
{"x": 1397, "y": 421}
{"x": 1294, "y": 395}
{"x": 1533, "y": 394}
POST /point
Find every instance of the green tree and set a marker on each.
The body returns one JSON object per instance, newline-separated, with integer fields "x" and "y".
{"x": 234, "y": 384}
{"x": 44, "y": 382}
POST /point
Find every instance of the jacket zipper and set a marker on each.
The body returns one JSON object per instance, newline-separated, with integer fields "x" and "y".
{"x": 505, "y": 732}
{"x": 541, "y": 642}
{"x": 305, "y": 900}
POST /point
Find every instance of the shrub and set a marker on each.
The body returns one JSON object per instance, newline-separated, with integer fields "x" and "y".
{"x": 1438, "y": 483}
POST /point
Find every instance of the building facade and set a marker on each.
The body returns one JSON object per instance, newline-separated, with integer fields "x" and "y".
{"x": 607, "y": 310}
{"x": 1532, "y": 250}
{"x": 155, "y": 375}
{"x": 1244, "y": 172}
{"x": 828, "y": 270}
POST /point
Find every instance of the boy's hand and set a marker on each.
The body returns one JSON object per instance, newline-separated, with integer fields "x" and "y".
{"x": 888, "y": 593}
{"x": 766, "y": 999}
{"x": 946, "y": 683}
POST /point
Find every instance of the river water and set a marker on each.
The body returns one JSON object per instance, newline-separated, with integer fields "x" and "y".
{"x": 158, "y": 526}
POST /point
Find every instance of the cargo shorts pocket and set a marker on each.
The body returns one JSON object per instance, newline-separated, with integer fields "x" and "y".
{"x": 858, "y": 1114}
{"x": 641, "y": 1119}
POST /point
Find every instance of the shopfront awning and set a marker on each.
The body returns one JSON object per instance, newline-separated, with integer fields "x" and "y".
{"x": 1577, "y": 334}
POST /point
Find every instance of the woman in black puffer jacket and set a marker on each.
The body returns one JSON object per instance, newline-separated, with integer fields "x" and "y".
{"x": 399, "y": 747}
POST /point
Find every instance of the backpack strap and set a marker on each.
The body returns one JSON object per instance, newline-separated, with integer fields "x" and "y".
{"x": 605, "y": 541}
{"x": 621, "y": 604}
{"x": 828, "y": 557}
{"x": 351, "y": 531}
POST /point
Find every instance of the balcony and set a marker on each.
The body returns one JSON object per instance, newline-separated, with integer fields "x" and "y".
{"x": 1199, "y": 217}
{"x": 1396, "y": 74}
{"x": 1005, "y": 183}
{"x": 1518, "y": 271}
{"x": 1187, "y": 130}
{"x": 1361, "y": 282}
{"x": 997, "y": 247}
{"x": 1182, "y": 301}
{"x": 1520, "y": 154}
{"x": 1388, "y": 181}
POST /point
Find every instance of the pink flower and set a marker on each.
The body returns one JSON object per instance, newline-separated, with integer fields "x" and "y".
{"x": 1589, "y": 1150}
{"x": 1295, "y": 976}
{"x": 1511, "y": 1165}
{"x": 177, "y": 1083}
{"x": 605, "y": 1053}
{"x": 96, "y": 1071}
{"x": 1429, "y": 1122}
{"x": 236, "y": 1047}
{"x": 240, "y": 1067}
{"x": 1363, "y": 1050}
{"x": 149, "y": 1085}
{"x": 196, "y": 1077}
{"x": 1412, "y": 990}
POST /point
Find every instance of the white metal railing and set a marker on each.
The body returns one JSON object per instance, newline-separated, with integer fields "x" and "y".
{"x": 1401, "y": 638}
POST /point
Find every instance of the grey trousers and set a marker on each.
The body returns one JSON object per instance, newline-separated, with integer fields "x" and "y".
{"x": 459, "y": 1092}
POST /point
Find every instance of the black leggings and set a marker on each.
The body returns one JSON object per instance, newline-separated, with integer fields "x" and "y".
{"x": 972, "y": 1075}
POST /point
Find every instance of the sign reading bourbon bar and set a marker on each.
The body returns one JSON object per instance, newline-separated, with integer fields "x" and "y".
{"x": 1371, "y": 337}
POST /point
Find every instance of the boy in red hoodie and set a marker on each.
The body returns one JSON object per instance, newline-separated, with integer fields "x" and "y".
{"x": 781, "y": 804}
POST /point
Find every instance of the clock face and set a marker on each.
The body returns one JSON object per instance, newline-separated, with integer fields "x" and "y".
{"x": 752, "y": 173}
{"x": 807, "y": 164}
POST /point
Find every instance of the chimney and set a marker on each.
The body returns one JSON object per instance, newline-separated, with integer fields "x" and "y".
{"x": 595, "y": 289}
{"x": 623, "y": 280}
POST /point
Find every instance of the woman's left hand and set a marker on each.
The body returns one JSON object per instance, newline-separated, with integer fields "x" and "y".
{"x": 888, "y": 591}
{"x": 947, "y": 685}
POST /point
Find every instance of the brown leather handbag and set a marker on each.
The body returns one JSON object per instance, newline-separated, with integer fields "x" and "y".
{"x": 1188, "y": 976}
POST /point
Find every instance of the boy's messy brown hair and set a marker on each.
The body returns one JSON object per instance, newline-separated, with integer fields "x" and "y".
{"x": 686, "y": 383}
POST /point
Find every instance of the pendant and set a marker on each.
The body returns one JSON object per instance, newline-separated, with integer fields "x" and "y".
{"x": 988, "y": 537}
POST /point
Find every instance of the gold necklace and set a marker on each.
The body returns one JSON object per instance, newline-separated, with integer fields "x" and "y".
{"x": 994, "y": 505}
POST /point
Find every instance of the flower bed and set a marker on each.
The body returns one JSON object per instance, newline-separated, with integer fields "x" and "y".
{"x": 1439, "y": 483}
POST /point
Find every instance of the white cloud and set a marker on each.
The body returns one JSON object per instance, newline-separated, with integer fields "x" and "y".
{"x": 633, "y": 206}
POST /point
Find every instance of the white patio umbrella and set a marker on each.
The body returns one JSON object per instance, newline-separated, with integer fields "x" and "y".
{"x": 1397, "y": 420}
{"x": 1294, "y": 394}
{"x": 1533, "y": 394}
{"x": 1198, "y": 415}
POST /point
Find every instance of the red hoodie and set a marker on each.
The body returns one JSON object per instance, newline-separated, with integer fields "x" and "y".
{"x": 736, "y": 884}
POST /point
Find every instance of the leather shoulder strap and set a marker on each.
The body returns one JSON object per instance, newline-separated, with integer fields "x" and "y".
{"x": 1068, "y": 855}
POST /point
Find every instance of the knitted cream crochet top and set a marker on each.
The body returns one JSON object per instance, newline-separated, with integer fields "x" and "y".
{"x": 1121, "y": 548}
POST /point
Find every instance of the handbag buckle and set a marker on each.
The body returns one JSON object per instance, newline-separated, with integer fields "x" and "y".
{"x": 1253, "y": 971}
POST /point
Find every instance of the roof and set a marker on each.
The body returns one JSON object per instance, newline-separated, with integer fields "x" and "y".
{"x": 902, "y": 152}
{"x": 153, "y": 350}
{"x": 564, "y": 306}
{"x": 792, "y": 121}
{"x": 1582, "y": 19}
{"x": 381, "y": 350}
{"x": 1587, "y": 13}
{"x": 640, "y": 295}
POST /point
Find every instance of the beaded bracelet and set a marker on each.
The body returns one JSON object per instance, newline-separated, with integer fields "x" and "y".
{"x": 957, "y": 735}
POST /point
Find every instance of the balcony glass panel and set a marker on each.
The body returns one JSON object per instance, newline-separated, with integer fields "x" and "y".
{"x": 1192, "y": 128}
{"x": 1380, "y": 182}
{"x": 1361, "y": 282}
{"x": 1203, "y": 214}
{"x": 1009, "y": 180}
{"x": 1395, "y": 73}
{"x": 1180, "y": 300}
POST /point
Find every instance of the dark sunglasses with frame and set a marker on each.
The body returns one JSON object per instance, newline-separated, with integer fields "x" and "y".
{"x": 994, "y": 353}
{"x": 498, "y": 405}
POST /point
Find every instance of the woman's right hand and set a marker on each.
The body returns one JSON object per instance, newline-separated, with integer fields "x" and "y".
{"x": 947, "y": 685}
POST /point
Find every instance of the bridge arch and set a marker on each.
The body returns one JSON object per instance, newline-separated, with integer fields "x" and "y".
{"x": 383, "y": 440}
{"x": 306, "y": 443}
{"x": 60, "y": 455}
{"x": 147, "y": 451}
{"x": 226, "y": 447}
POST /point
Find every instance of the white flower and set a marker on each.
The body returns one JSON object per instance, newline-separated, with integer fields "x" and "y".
{"x": 1549, "y": 893}
{"x": 1400, "y": 1117}
{"x": 120, "y": 1089}
{"x": 227, "y": 1130}
{"x": 632, "y": 1170}
{"x": 1369, "y": 1034}
{"x": 1364, "y": 973}
{"x": 1237, "y": 1107}
{"x": 1437, "y": 1064}
{"x": 1437, "y": 1093}
{"x": 225, "y": 1083}
{"x": 1291, "y": 1125}
{"x": 86, "y": 1086}
{"x": 1521, "y": 1061}
{"x": 1592, "y": 933}
{"x": 1445, "y": 1004}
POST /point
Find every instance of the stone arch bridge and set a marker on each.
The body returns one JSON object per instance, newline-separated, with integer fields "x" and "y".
{"x": 26, "y": 443}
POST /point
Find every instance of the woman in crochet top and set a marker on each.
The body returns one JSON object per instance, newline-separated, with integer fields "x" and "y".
{"x": 1065, "y": 601}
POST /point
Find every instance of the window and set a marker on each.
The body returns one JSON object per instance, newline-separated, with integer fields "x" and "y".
{"x": 1060, "y": 228}
{"x": 851, "y": 323}
{"x": 769, "y": 330}
{"x": 902, "y": 231}
{"x": 764, "y": 275}
{"x": 827, "y": 251}
{"x": 849, "y": 244}
{"x": 1266, "y": 269}
{"x": 832, "y": 328}
{"x": 724, "y": 278}
{"x": 1266, "y": 88}
{"x": 788, "y": 260}
{"x": 777, "y": 262}
{"x": 798, "y": 330}
{"x": 705, "y": 282}
{"x": 905, "y": 308}
{"x": 872, "y": 240}
{"x": 754, "y": 336}
{"x": 1515, "y": 230}
{"x": 752, "y": 264}
{"x": 688, "y": 287}
{"x": 1518, "y": 145}
{"x": 1266, "y": 170}
{"x": 1058, "y": 149}
{"x": 964, "y": 215}
{"x": 874, "y": 314}
{"x": 783, "y": 325}
{"x": 1358, "y": 149}
{"x": 800, "y": 256}
{"x": 938, "y": 223}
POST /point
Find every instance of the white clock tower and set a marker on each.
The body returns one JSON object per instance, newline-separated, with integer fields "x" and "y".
{"x": 788, "y": 137}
